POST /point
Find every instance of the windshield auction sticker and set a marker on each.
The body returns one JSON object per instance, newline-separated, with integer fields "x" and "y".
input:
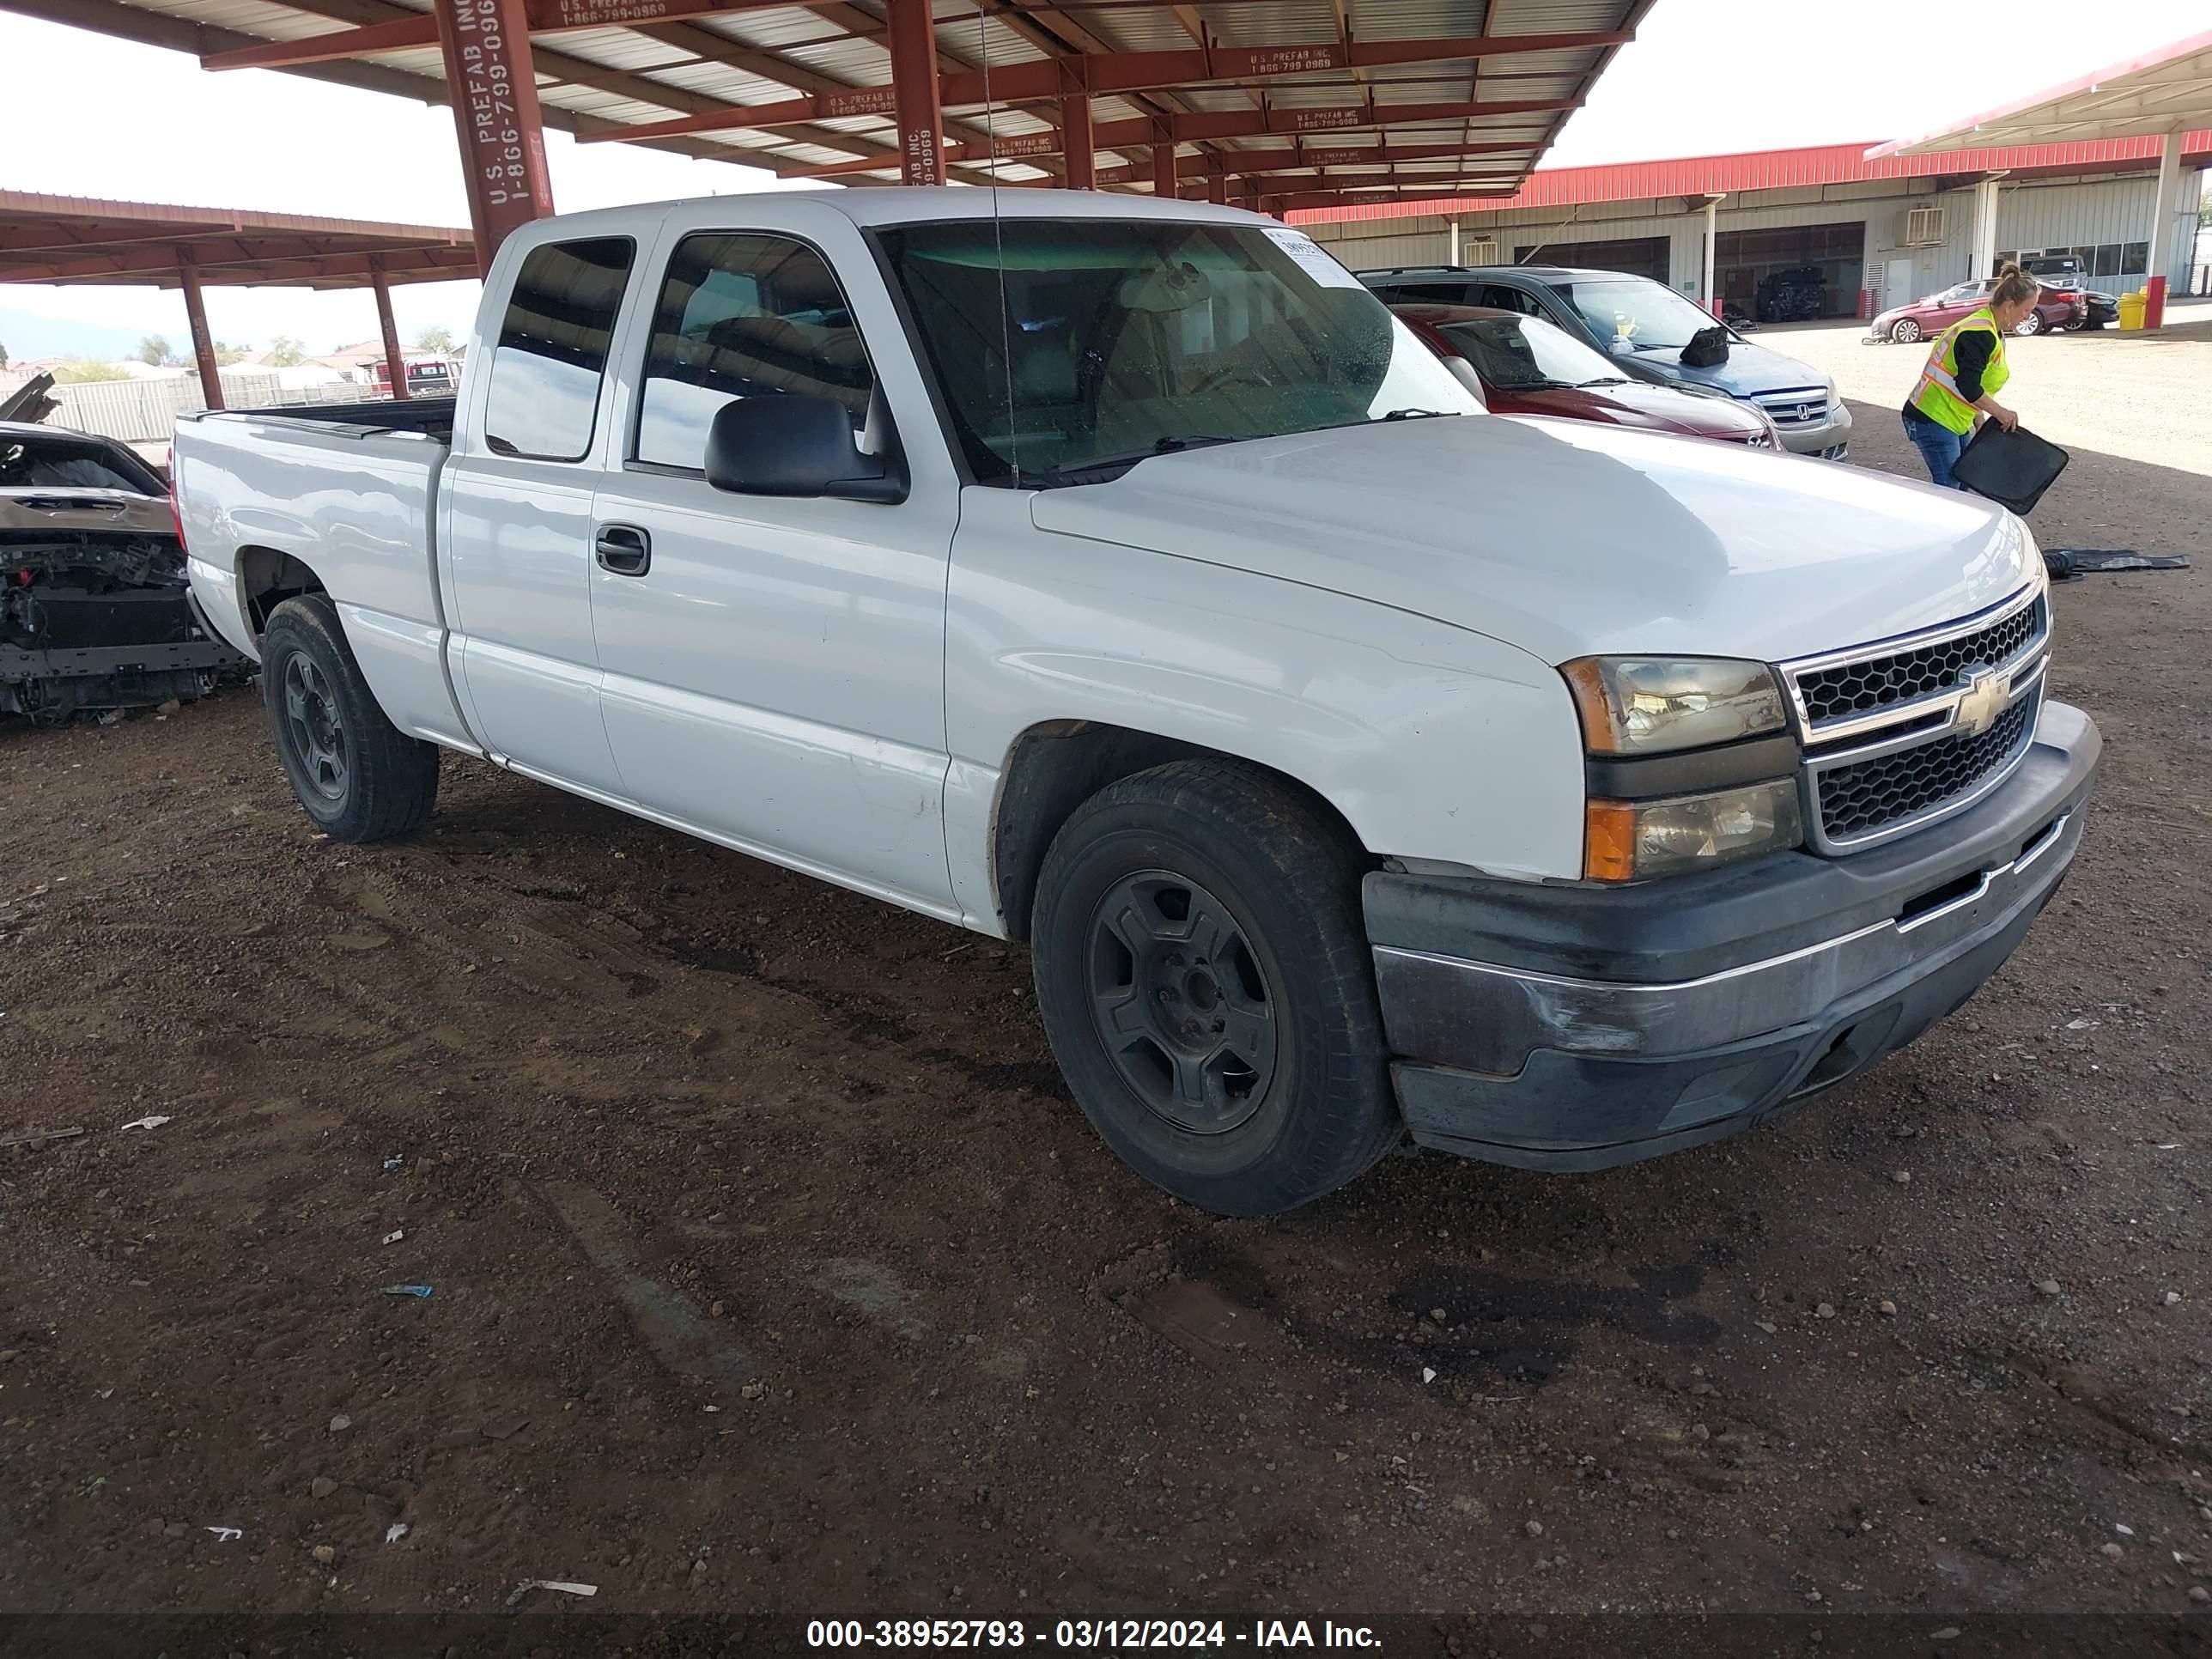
{"x": 1312, "y": 260}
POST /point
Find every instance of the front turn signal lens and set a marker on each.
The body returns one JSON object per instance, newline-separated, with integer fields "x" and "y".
{"x": 1636, "y": 840}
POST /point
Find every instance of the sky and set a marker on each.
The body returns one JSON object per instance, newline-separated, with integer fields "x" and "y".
{"x": 1702, "y": 78}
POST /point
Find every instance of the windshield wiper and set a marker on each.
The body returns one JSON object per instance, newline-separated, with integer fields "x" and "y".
{"x": 1606, "y": 380}
{"x": 1104, "y": 469}
{"x": 1418, "y": 413}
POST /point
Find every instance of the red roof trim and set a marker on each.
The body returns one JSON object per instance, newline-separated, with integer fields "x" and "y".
{"x": 1772, "y": 169}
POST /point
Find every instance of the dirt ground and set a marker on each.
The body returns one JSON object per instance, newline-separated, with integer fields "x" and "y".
{"x": 2137, "y": 395}
{"x": 773, "y": 1273}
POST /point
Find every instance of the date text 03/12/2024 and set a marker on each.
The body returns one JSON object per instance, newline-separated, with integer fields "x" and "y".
{"x": 1107, "y": 1635}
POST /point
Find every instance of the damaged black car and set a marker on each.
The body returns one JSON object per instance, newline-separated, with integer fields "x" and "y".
{"x": 94, "y": 612}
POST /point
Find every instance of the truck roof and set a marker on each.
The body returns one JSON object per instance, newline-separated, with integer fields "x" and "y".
{"x": 905, "y": 204}
{"x": 1546, "y": 274}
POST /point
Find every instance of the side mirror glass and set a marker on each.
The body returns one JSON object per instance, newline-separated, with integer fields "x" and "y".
{"x": 794, "y": 445}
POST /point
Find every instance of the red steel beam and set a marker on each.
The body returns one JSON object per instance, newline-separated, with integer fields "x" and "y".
{"x": 1078, "y": 142}
{"x": 188, "y": 279}
{"x": 1165, "y": 172}
{"x": 1241, "y": 163}
{"x": 1445, "y": 192}
{"x": 395, "y": 363}
{"x": 214, "y": 262}
{"x": 1198, "y": 127}
{"x": 495, "y": 99}
{"x": 1150, "y": 130}
{"x": 1100, "y": 73}
{"x": 404, "y": 34}
{"x": 914, "y": 89}
{"x": 1509, "y": 177}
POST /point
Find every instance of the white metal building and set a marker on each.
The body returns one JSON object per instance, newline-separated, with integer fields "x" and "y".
{"x": 1879, "y": 232}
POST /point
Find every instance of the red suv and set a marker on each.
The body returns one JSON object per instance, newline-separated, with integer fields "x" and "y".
{"x": 1525, "y": 366}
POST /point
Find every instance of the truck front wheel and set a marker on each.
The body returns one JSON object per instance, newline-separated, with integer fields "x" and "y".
{"x": 1203, "y": 977}
{"x": 359, "y": 777}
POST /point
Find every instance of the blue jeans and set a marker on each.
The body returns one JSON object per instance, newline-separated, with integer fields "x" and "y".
{"x": 1938, "y": 446}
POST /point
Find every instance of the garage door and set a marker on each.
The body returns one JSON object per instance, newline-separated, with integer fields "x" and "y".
{"x": 1793, "y": 273}
{"x": 1639, "y": 256}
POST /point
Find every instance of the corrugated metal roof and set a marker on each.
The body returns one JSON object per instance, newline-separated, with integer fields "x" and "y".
{"x": 1779, "y": 169}
{"x": 610, "y": 73}
{"x": 69, "y": 240}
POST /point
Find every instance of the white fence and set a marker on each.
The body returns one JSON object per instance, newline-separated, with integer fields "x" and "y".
{"x": 145, "y": 411}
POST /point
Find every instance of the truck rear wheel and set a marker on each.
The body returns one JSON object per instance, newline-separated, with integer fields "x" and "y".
{"x": 359, "y": 777}
{"x": 1204, "y": 978}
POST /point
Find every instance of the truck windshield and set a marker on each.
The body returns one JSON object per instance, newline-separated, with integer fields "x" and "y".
{"x": 1649, "y": 316}
{"x": 1067, "y": 350}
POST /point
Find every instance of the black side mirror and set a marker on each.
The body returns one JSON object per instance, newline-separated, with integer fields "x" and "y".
{"x": 789, "y": 445}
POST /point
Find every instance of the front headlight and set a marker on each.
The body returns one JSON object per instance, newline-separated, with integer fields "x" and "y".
{"x": 1635, "y": 841}
{"x": 1651, "y": 705}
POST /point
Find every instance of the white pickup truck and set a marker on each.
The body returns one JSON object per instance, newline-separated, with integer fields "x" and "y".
{"x": 1122, "y": 578}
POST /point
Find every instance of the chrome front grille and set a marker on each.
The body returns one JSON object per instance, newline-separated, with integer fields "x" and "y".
{"x": 1901, "y": 733}
{"x": 1797, "y": 405}
{"x": 1872, "y": 682}
{"x": 1858, "y": 798}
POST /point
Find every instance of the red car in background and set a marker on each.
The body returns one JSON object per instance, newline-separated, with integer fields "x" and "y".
{"x": 1923, "y": 319}
{"x": 1522, "y": 365}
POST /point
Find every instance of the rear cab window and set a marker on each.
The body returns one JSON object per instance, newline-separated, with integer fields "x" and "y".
{"x": 549, "y": 365}
{"x": 743, "y": 314}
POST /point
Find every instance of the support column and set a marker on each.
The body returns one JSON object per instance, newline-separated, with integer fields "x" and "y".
{"x": 188, "y": 279}
{"x": 1706, "y": 285}
{"x": 1454, "y": 259}
{"x": 2161, "y": 229}
{"x": 1985, "y": 232}
{"x": 494, "y": 91}
{"x": 914, "y": 93}
{"x": 1164, "y": 186}
{"x": 1216, "y": 189}
{"x": 1076, "y": 145}
{"x": 395, "y": 365}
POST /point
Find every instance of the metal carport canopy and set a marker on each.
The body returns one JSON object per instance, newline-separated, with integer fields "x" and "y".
{"x": 1221, "y": 97}
{"x": 71, "y": 241}
{"x": 2165, "y": 91}
{"x": 2162, "y": 93}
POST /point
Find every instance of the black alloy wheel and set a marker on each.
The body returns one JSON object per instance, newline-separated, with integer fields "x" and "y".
{"x": 1179, "y": 1002}
{"x": 318, "y": 732}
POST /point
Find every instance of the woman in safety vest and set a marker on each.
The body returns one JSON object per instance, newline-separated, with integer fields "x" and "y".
{"x": 1965, "y": 372}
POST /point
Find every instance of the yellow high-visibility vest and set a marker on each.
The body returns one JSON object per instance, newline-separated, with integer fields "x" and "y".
{"x": 1937, "y": 395}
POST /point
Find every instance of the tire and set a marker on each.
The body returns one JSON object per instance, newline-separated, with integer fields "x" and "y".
{"x": 2028, "y": 326}
{"x": 1203, "y": 975}
{"x": 1904, "y": 330}
{"x": 358, "y": 776}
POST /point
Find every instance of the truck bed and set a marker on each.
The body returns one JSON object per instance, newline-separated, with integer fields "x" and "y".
{"x": 350, "y": 492}
{"x": 432, "y": 417}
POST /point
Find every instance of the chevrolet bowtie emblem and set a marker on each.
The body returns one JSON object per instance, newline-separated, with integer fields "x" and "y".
{"x": 1983, "y": 700}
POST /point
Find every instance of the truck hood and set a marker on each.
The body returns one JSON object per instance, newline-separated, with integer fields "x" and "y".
{"x": 1571, "y": 538}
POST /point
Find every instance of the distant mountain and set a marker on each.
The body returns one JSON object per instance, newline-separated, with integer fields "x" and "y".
{"x": 28, "y": 334}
